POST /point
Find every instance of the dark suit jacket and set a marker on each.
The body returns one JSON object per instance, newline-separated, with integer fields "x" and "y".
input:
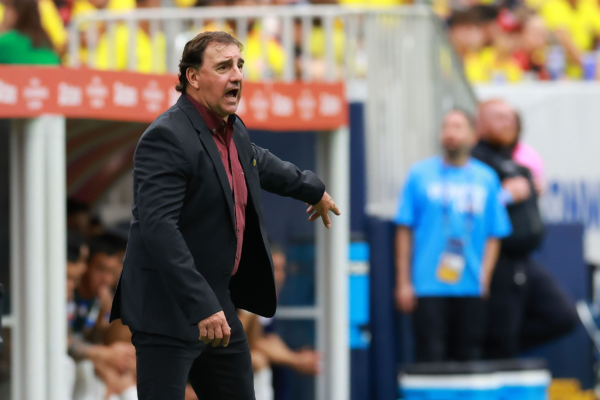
{"x": 181, "y": 249}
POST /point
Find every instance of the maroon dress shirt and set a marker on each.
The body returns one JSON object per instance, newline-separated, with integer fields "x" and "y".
{"x": 223, "y": 134}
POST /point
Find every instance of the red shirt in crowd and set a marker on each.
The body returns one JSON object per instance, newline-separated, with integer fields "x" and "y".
{"x": 223, "y": 134}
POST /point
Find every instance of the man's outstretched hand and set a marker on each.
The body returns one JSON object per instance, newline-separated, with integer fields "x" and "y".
{"x": 215, "y": 330}
{"x": 321, "y": 209}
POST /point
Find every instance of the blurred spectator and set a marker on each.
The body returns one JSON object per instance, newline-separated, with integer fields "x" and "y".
{"x": 528, "y": 306}
{"x": 24, "y": 40}
{"x": 149, "y": 53}
{"x": 532, "y": 47}
{"x": 449, "y": 223}
{"x": 466, "y": 33}
{"x": 77, "y": 256}
{"x": 114, "y": 362}
{"x": 576, "y": 24}
{"x": 495, "y": 63}
{"x": 94, "y": 295}
{"x": 267, "y": 347}
{"x": 528, "y": 157}
{"x": 78, "y": 217}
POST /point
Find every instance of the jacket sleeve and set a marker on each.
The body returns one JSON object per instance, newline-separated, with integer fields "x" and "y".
{"x": 285, "y": 179}
{"x": 161, "y": 171}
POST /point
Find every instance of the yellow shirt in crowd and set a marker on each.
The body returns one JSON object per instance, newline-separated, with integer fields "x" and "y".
{"x": 486, "y": 66}
{"x": 82, "y": 6}
{"x": 374, "y": 3}
{"x": 583, "y": 22}
{"x": 146, "y": 51}
{"x": 53, "y": 24}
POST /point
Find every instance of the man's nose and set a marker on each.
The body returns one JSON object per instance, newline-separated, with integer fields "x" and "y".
{"x": 237, "y": 75}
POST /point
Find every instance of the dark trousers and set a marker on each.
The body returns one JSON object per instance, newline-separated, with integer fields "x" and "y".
{"x": 526, "y": 308}
{"x": 449, "y": 328}
{"x": 165, "y": 364}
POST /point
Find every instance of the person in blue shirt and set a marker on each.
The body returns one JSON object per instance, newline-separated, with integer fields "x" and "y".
{"x": 450, "y": 220}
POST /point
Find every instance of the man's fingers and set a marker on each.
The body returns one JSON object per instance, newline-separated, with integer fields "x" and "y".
{"x": 335, "y": 210}
{"x": 313, "y": 217}
{"x": 310, "y": 210}
{"x": 210, "y": 335}
{"x": 203, "y": 332}
{"x": 218, "y": 336}
{"x": 326, "y": 220}
{"x": 226, "y": 335}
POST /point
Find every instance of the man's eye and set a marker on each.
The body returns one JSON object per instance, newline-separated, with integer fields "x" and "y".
{"x": 241, "y": 66}
{"x": 222, "y": 68}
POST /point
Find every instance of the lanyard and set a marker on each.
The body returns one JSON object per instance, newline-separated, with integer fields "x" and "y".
{"x": 447, "y": 201}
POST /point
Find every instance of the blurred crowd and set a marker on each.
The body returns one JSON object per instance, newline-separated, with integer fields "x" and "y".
{"x": 500, "y": 41}
{"x": 525, "y": 40}
{"x": 264, "y": 54}
{"x": 102, "y": 361}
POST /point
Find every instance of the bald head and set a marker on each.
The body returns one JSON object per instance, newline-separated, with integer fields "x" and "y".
{"x": 497, "y": 122}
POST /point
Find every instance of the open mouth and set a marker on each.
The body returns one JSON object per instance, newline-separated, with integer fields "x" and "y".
{"x": 232, "y": 94}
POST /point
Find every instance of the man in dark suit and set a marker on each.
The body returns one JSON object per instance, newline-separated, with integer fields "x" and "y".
{"x": 198, "y": 247}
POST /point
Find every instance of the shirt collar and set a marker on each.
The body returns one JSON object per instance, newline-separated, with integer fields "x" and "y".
{"x": 212, "y": 120}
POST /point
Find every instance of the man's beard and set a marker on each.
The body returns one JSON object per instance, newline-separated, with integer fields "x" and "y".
{"x": 456, "y": 154}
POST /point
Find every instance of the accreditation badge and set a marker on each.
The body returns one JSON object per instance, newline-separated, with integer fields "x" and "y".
{"x": 452, "y": 262}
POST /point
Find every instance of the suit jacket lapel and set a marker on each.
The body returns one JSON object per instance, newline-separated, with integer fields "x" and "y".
{"x": 211, "y": 148}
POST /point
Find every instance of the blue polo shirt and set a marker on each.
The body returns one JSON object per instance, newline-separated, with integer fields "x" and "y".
{"x": 440, "y": 201}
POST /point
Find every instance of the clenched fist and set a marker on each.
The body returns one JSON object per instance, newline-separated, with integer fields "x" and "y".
{"x": 215, "y": 330}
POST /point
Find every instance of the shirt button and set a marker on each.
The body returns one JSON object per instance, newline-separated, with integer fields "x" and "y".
{"x": 237, "y": 256}
{"x": 214, "y": 130}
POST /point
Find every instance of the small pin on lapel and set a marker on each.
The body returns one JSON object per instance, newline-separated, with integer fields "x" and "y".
{"x": 254, "y": 162}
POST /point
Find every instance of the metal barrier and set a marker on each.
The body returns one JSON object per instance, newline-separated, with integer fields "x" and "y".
{"x": 414, "y": 77}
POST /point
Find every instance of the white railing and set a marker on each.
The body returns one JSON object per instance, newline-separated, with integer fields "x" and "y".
{"x": 295, "y": 28}
{"x": 412, "y": 74}
{"x": 414, "y": 77}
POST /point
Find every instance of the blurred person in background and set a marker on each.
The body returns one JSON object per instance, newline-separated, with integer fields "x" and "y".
{"x": 496, "y": 63}
{"x": 24, "y": 40}
{"x": 267, "y": 348}
{"x": 450, "y": 222}
{"x": 77, "y": 256}
{"x": 94, "y": 295}
{"x": 576, "y": 24}
{"x": 149, "y": 52}
{"x": 466, "y": 33}
{"x": 528, "y": 157}
{"x": 532, "y": 49}
{"x": 78, "y": 217}
{"x": 527, "y": 306}
{"x": 88, "y": 322}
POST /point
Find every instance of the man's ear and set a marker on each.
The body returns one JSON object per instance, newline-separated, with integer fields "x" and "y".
{"x": 193, "y": 76}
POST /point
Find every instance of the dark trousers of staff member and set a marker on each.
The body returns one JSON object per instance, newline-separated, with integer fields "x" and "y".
{"x": 196, "y": 249}
{"x": 449, "y": 328}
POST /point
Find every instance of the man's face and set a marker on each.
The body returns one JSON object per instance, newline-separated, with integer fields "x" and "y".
{"x": 534, "y": 36}
{"x": 457, "y": 135}
{"x": 218, "y": 84}
{"x": 468, "y": 37}
{"x": 499, "y": 123}
{"x": 102, "y": 271}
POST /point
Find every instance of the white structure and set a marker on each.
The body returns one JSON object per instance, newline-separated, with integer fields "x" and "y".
{"x": 38, "y": 258}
